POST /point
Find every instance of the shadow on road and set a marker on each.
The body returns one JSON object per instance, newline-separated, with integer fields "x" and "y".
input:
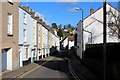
{"x": 59, "y": 63}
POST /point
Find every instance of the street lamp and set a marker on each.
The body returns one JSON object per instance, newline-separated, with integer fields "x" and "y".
{"x": 82, "y": 28}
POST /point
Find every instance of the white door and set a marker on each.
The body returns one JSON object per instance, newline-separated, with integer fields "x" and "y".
{"x": 21, "y": 57}
{"x": 9, "y": 59}
{"x": 4, "y": 60}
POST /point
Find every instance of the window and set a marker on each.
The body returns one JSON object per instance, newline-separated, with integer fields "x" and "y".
{"x": 10, "y": 24}
{"x": 24, "y": 34}
{"x": 26, "y": 52}
{"x": 11, "y": 1}
{"x": 24, "y": 17}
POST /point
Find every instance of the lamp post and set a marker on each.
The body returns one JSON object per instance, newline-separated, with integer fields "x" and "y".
{"x": 81, "y": 27}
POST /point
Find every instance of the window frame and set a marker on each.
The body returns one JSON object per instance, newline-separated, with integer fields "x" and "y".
{"x": 24, "y": 18}
{"x": 10, "y": 24}
{"x": 24, "y": 35}
{"x": 10, "y": 1}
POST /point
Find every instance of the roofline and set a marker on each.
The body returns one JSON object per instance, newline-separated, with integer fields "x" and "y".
{"x": 93, "y": 13}
{"x": 24, "y": 10}
{"x": 45, "y": 26}
{"x": 99, "y": 9}
{"x": 113, "y": 7}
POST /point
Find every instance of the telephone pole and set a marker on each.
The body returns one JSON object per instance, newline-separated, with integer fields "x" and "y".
{"x": 104, "y": 38}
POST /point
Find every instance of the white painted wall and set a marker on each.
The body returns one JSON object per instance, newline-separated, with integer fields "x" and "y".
{"x": 93, "y": 24}
{"x": 71, "y": 43}
{"x": 97, "y": 27}
{"x": 33, "y": 39}
{"x": 65, "y": 43}
{"x": 27, "y": 25}
{"x": 58, "y": 43}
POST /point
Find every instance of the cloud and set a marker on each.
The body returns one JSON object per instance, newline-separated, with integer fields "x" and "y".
{"x": 39, "y": 14}
{"x": 62, "y": 0}
{"x": 69, "y": 1}
{"x": 47, "y": 22}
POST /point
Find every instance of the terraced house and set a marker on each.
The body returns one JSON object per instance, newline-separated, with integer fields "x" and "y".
{"x": 9, "y": 18}
{"x": 34, "y": 38}
{"x": 24, "y": 36}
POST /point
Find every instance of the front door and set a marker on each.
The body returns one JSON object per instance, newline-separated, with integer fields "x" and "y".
{"x": 4, "y": 60}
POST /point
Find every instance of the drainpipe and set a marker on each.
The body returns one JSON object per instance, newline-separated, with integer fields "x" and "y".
{"x": 37, "y": 56}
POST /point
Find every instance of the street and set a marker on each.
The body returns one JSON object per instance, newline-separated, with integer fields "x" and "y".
{"x": 55, "y": 67}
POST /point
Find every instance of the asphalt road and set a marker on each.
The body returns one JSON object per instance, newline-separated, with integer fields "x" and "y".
{"x": 54, "y": 67}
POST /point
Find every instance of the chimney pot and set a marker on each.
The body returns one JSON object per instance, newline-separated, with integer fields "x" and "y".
{"x": 91, "y": 11}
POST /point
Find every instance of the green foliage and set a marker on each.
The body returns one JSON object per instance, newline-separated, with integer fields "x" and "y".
{"x": 60, "y": 33}
{"x": 54, "y": 25}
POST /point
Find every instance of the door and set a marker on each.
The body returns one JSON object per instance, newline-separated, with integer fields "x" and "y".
{"x": 4, "y": 60}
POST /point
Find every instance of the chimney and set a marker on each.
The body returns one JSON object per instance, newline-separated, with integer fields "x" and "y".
{"x": 91, "y": 11}
{"x": 26, "y": 7}
{"x": 32, "y": 12}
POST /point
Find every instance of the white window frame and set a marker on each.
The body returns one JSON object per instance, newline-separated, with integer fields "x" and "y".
{"x": 10, "y": 24}
{"x": 11, "y": 1}
{"x": 25, "y": 18}
{"x": 24, "y": 35}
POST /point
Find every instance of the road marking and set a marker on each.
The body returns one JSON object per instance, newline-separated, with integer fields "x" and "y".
{"x": 72, "y": 71}
{"x": 26, "y": 73}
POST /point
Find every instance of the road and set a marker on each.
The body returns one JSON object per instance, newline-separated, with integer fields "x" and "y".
{"x": 52, "y": 67}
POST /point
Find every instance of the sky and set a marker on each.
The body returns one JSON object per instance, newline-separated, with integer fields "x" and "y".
{"x": 63, "y": 13}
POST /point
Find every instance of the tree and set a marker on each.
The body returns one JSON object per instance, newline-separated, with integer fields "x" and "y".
{"x": 54, "y": 25}
{"x": 60, "y": 33}
{"x": 60, "y": 26}
{"x": 114, "y": 23}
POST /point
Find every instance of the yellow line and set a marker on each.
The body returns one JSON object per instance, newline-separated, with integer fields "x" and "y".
{"x": 26, "y": 73}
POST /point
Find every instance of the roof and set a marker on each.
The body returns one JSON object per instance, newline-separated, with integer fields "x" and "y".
{"x": 71, "y": 38}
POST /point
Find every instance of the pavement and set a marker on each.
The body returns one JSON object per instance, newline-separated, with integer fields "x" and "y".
{"x": 80, "y": 69}
{"x": 19, "y": 71}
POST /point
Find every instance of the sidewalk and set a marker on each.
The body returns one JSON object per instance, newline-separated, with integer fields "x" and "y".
{"x": 21, "y": 70}
{"x": 81, "y": 70}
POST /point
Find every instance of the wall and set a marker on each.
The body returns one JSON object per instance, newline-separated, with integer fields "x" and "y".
{"x": 65, "y": 43}
{"x": 39, "y": 39}
{"x": 94, "y": 24}
{"x": 28, "y": 27}
{"x": 71, "y": 43}
{"x": 11, "y": 41}
{"x": 0, "y": 40}
{"x": 79, "y": 40}
{"x": 33, "y": 39}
